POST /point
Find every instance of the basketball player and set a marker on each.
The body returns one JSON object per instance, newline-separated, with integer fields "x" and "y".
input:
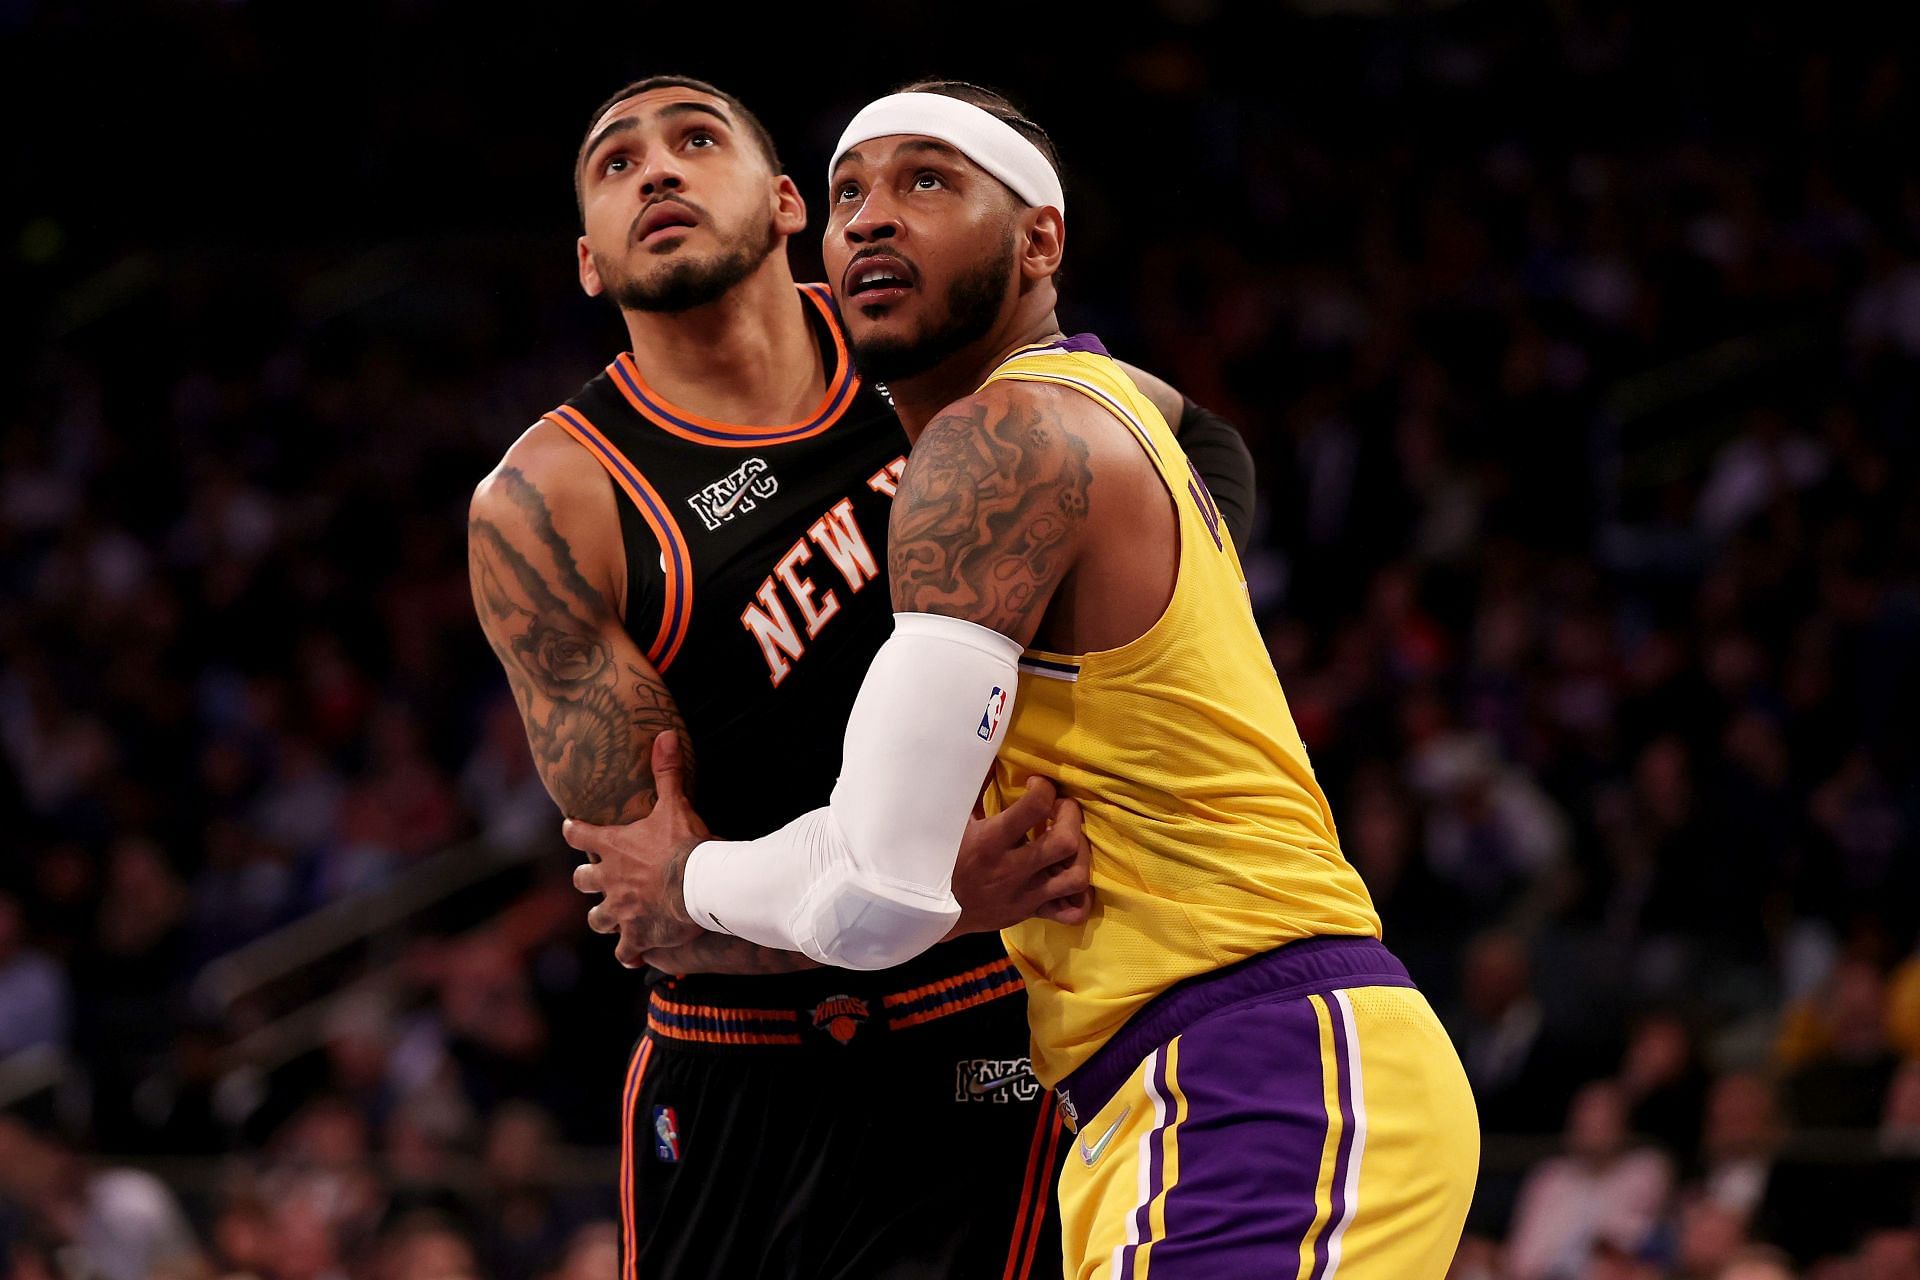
{"x": 684, "y": 560}
{"x": 1257, "y": 1087}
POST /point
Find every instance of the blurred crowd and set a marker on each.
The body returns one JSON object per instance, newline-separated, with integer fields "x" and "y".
{"x": 1580, "y": 356}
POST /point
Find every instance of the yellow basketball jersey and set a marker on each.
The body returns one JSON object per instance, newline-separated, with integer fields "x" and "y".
{"x": 1211, "y": 839}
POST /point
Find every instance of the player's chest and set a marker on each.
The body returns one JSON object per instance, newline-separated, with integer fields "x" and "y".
{"x": 787, "y": 548}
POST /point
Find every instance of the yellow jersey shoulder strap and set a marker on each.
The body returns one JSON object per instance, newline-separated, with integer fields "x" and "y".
{"x": 1082, "y": 363}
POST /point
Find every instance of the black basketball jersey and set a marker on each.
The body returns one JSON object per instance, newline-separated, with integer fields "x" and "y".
{"x": 756, "y": 571}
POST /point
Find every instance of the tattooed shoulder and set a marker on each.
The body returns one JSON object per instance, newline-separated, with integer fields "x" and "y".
{"x": 990, "y": 511}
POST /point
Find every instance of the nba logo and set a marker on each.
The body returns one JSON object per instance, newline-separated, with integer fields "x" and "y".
{"x": 666, "y": 1135}
{"x": 990, "y": 718}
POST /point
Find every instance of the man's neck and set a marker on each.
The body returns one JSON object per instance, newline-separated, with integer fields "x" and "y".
{"x": 920, "y": 399}
{"x": 747, "y": 358}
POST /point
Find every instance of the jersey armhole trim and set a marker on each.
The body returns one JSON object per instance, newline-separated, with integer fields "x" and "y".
{"x": 1051, "y": 662}
{"x": 677, "y": 612}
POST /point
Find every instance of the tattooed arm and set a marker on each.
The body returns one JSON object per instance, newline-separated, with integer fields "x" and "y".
{"x": 542, "y": 544}
{"x": 992, "y": 510}
{"x": 543, "y": 552}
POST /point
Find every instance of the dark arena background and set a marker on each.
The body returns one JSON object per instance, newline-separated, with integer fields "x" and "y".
{"x": 1578, "y": 346}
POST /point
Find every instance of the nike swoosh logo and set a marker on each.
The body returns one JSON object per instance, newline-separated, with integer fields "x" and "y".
{"x": 725, "y": 509}
{"x": 1089, "y": 1154}
{"x": 978, "y": 1087}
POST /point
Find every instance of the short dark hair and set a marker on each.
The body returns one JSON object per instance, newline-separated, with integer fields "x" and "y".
{"x": 997, "y": 105}
{"x": 647, "y": 84}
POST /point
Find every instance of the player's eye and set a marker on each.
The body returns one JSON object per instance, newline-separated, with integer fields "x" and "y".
{"x": 928, "y": 181}
{"x": 701, "y": 138}
{"x": 846, "y": 191}
{"x": 614, "y": 164}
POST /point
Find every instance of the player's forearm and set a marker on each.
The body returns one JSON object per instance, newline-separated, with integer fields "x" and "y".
{"x": 590, "y": 703}
{"x": 866, "y": 882}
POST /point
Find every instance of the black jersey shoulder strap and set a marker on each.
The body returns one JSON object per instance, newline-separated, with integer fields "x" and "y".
{"x": 677, "y": 610}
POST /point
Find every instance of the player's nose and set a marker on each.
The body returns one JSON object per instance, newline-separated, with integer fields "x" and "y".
{"x": 659, "y": 172}
{"x": 875, "y": 219}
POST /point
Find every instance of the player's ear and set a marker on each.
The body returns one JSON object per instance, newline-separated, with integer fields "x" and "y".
{"x": 789, "y": 210}
{"x": 589, "y": 273}
{"x": 1043, "y": 242}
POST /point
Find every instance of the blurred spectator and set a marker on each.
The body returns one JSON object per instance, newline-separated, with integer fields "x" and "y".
{"x": 592, "y": 1254}
{"x": 426, "y": 1246}
{"x": 1838, "y": 1047}
{"x": 1900, "y": 1126}
{"x": 35, "y": 1007}
{"x": 500, "y": 784}
{"x": 1521, "y": 1074}
{"x": 1739, "y": 1142}
{"x": 121, "y": 1223}
{"x": 1890, "y": 1255}
{"x": 1711, "y": 1238}
{"x": 1759, "y": 1263}
{"x": 1491, "y": 833}
{"x": 1770, "y": 462}
{"x": 1664, "y": 1083}
{"x": 527, "y": 1224}
{"x": 1601, "y": 1190}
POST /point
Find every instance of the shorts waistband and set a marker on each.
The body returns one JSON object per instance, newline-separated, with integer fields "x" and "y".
{"x": 834, "y": 1018}
{"x": 1307, "y": 967}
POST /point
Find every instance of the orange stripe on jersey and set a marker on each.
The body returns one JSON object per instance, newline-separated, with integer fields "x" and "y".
{"x": 842, "y": 384}
{"x": 699, "y": 1036}
{"x": 630, "y": 1097}
{"x": 1032, "y": 1205}
{"x": 996, "y": 969}
{"x": 716, "y": 1024}
{"x": 998, "y": 992}
{"x": 677, "y": 613}
{"x": 677, "y": 1009}
{"x": 1050, "y": 1165}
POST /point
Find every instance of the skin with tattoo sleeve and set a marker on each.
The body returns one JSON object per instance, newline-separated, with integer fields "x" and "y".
{"x": 591, "y": 703}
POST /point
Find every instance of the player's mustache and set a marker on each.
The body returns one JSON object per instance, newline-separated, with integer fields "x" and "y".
{"x": 633, "y": 228}
{"x": 882, "y": 251}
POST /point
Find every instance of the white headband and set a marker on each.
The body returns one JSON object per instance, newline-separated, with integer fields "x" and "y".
{"x": 981, "y": 136}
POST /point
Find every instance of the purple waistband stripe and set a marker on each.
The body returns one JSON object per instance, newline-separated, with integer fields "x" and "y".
{"x": 1309, "y": 967}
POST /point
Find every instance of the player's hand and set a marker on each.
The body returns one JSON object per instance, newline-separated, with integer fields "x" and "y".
{"x": 640, "y": 869}
{"x": 1003, "y": 876}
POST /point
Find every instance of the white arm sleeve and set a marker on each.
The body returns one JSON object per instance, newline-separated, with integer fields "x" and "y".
{"x": 866, "y": 882}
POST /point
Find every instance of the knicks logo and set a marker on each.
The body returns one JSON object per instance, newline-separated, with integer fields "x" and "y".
{"x": 840, "y": 1016}
{"x": 724, "y": 499}
{"x": 990, "y": 718}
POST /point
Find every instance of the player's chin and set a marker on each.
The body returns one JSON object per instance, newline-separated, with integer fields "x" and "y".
{"x": 668, "y": 241}
{"x": 882, "y": 308}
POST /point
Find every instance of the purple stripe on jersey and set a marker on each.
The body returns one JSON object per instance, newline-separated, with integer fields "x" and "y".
{"x": 1296, "y": 969}
{"x": 1343, "y": 1086}
{"x": 1251, "y": 1144}
{"x": 1082, "y": 342}
{"x": 1156, "y": 1162}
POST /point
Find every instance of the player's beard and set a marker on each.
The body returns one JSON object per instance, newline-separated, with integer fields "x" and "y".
{"x": 692, "y": 282}
{"x": 973, "y": 305}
